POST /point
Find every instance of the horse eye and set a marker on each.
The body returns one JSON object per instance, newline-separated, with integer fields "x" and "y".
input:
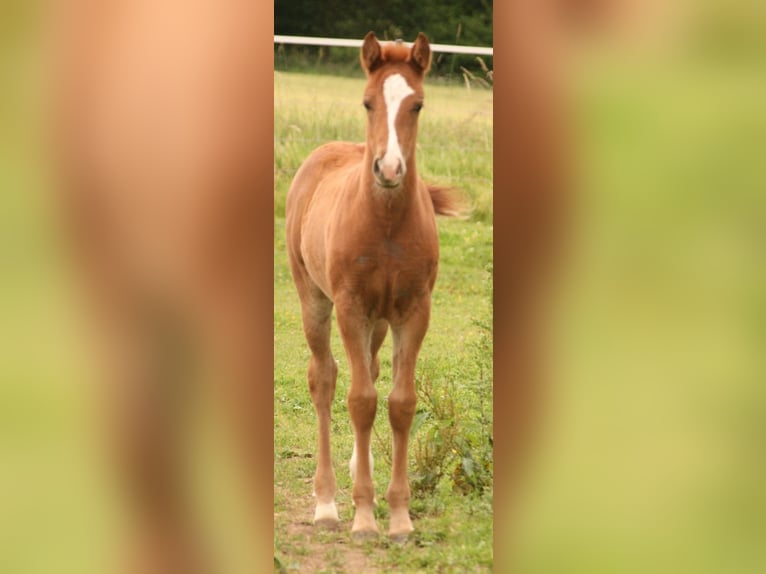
{"x": 367, "y": 106}
{"x": 417, "y": 107}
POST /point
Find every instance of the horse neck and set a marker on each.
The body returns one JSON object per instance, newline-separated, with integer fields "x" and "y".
{"x": 389, "y": 204}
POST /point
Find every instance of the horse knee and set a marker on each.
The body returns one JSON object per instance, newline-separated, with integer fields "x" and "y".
{"x": 322, "y": 376}
{"x": 401, "y": 410}
{"x": 362, "y": 405}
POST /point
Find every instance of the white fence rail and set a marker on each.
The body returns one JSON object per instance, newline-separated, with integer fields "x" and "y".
{"x": 349, "y": 43}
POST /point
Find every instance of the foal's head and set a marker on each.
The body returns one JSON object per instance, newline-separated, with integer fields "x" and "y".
{"x": 393, "y": 97}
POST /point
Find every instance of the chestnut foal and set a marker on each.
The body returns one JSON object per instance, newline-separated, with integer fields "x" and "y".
{"x": 361, "y": 235}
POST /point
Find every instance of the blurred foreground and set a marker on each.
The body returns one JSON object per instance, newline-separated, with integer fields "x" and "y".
{"x": 646, "y": 442}
{"x": 134, "y": 216}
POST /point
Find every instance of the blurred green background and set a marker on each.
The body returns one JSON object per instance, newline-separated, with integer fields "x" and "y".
{"x": 54, "y": 511}
{"x": 654, "y": 452}
{"x": 59, "y": 509}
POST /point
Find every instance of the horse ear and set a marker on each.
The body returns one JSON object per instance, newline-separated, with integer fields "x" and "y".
{"x": 420, "y": 55}
{"x": 371, "y": 54}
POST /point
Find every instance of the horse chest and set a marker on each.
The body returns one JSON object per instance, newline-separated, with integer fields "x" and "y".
{"x": 387, "y": 279}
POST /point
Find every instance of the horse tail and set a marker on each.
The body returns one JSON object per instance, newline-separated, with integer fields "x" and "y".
{"x": 446, "y": 202}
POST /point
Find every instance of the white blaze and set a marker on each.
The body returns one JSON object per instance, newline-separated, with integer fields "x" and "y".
{"x": 395, "y": 89}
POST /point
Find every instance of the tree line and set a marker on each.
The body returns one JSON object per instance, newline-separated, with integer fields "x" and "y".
{"x": 462, "y": 22}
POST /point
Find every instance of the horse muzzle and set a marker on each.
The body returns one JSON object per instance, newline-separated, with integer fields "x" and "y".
{"x": 388, "y": 173}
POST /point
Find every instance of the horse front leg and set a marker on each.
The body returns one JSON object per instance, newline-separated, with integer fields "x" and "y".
{"x": 408, "y": 338}
{"x": 322, "y": 375}
{"x": 356, "y": 331}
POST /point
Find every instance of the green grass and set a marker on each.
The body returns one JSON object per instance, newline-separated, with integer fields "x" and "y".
{"x": 453, "y": 530}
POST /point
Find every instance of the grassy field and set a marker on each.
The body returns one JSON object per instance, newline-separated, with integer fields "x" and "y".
{"x": 451, "y": 457}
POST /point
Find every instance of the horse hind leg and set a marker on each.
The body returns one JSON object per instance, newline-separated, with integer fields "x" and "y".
{"x": 322, "y": 376}
{"x": 378, "y": 335}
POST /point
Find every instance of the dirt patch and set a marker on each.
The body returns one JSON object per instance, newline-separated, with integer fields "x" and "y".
{"x": 302, "y": 547}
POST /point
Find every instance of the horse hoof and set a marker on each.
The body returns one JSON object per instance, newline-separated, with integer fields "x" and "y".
{"x": 326, "y": 516}
{"x": 400, "y": 538}
{"x": 400, "y": 527}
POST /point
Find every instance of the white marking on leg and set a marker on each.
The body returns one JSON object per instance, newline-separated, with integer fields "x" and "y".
{"x": 352, "y": 463}
{"x": 352, "y": 466}
{"x": 395, "y": 89}
{"x": 326, "y": 513}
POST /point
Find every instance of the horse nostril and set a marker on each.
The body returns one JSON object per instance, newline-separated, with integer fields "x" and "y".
{"x": 390, "y": 173}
